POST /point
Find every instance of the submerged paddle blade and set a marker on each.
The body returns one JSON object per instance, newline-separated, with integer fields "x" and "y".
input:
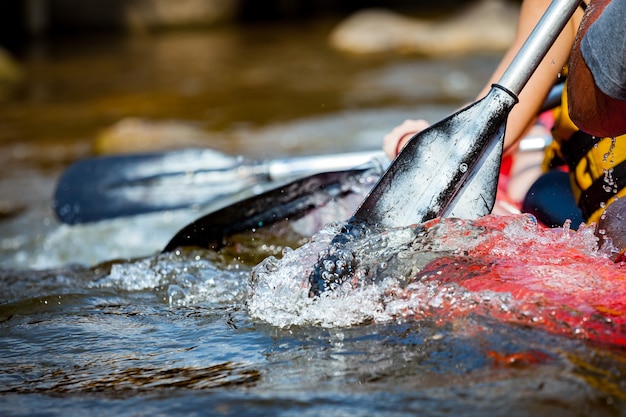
{"x": 449, "y": 169}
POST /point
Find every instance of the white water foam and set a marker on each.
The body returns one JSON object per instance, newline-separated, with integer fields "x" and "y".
{"x": 92, "y": 243}
{"x": 279, "y": 289}
{"x": 179, "y": 280}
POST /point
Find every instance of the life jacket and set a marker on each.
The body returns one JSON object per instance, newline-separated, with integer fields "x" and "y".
{"x": 597, "y": 166}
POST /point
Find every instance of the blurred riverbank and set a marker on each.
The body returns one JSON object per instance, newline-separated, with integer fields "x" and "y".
{"x": 264, "y": 89}
{"x": 21, "y": 20}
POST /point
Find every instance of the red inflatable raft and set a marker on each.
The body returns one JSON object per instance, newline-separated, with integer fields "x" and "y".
{"x": 548, "y": 278}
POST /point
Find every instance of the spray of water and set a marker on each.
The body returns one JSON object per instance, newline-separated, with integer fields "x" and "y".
{"x": 413, "y": 272}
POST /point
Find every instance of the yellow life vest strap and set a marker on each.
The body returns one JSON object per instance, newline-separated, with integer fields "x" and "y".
{"x": 602, "y": 191}
{"x": 597, "y": 166}
{"x": 576, "y": 147}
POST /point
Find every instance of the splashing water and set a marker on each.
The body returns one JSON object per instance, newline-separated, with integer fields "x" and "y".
{"x": 279, "y": 291}
{"x": 507, "y": 267}
{"x": 180, "y": 280}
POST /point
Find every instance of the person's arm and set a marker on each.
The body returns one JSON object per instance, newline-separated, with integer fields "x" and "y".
{"x": 534, "y": 93}
{"x": 597, "y": 77}
{"x": 532, "y": 96}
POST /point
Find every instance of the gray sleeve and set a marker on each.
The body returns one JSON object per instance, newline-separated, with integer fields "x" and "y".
{"x": 604, "y": 49}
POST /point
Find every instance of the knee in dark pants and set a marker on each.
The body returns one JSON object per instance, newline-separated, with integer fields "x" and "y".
{"x": 612, "y": 224}
{"x": 551, "y": 201}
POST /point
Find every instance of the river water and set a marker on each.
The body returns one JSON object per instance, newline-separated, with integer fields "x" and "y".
{"x": 93, "y": 320}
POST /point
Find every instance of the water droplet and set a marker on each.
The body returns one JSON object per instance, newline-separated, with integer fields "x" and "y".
{"x": 566, "y": 227}
{"x": 463, "y": 167}
{"x": 176, "y": 295}
{"x": 530, "y": 219}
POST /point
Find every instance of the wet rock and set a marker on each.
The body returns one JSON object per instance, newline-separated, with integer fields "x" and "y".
{"x": 485, "y": 26}
{"x": 139, "y": 135}
{"x": 11, "y": 75}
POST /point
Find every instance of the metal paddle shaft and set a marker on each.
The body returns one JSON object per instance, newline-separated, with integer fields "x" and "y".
{"x": 451, "y": 169}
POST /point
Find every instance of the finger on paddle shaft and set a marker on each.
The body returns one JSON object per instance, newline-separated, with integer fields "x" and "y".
{"x": 107, "y": 187}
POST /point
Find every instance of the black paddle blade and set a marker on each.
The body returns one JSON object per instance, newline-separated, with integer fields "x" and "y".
{"x": 112, "y": 186}
{"x": 289, "y": 202}
{"x": 448, "y": 170}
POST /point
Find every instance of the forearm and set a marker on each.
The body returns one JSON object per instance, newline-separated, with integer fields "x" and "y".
{"x": 533, "y": 95}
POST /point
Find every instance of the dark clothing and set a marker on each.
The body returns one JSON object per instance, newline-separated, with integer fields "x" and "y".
{"x": 604, "y": 49}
